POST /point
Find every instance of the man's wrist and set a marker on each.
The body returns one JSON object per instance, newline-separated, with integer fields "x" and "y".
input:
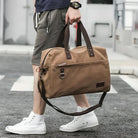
{"x": 34, "y": 1}
{"x": 75, "y": 4}
{"x": 75, "y": 0}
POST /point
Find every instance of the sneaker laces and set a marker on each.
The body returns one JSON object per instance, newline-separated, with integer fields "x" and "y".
{"x": 74, "y": 120}
{"x": 26, "y": 119}
{"x": 78, "y": 117}
{"x": 22, "y": 122}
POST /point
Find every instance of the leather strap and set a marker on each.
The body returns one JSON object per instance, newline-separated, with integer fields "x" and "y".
{"x": 43, "y": 93}
{"x": 62, "y": 36}
{"x": 66, "y": 41}
{"x": 78, "y": 43}
{"x": 87, "y": 40}
{"x": 65, "y": 34}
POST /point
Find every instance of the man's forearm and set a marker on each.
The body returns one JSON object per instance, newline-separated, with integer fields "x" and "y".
{"x": 34, "y": 4}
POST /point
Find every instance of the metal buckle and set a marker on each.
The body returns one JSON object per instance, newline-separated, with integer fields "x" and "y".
{"x": 43, "y": 70}
{"x": 62, "y": 74}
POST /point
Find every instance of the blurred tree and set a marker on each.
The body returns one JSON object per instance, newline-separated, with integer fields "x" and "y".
{"x": 100, "y": 1}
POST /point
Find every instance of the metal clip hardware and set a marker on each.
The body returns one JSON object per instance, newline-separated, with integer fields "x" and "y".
{"x": 43, "y": 70}
{"x": 62, "y": 74}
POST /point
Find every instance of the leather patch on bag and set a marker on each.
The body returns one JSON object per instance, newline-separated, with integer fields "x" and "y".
{"x": 99, "y": 84}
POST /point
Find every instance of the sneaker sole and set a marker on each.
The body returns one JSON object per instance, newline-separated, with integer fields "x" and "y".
{"x": 80, "y": 128}
{"x": 30, "y": 132}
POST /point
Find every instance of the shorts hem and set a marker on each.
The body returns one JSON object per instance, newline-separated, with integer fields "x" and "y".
{"x": 35, "y": 64}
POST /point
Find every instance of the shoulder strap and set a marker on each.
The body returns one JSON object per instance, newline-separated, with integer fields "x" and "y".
{"x": 43, "y": 93}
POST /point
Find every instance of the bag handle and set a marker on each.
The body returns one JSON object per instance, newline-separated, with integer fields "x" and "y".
{"x": 62, "y": 34}
{"x": 65, "y": 34}
{"x": 43, "y": 92}
{"x": 78, "y": 43}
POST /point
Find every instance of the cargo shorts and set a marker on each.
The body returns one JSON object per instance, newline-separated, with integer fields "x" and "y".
{"x": 48, "y": 25}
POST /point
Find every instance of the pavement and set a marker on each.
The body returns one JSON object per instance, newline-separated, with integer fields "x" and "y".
{"x": 119, "y": 63}
{"x": 118, "y": 117}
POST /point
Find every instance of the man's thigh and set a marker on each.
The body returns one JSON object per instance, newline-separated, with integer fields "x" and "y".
{"x": 49, "y": 27}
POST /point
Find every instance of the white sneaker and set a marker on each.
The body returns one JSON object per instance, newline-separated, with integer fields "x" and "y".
{"x": 33, "y": 124}
{"x": 80, "y": 122}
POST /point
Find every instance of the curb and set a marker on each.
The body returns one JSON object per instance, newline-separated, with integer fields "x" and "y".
{"x": 20, "y": 49}
{"x": 124, "y": 70}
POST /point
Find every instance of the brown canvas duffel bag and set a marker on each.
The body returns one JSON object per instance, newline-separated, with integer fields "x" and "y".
{"x": 84, "y": 69}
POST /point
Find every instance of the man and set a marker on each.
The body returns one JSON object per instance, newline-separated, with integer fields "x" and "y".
{"x": 52, "y": 16}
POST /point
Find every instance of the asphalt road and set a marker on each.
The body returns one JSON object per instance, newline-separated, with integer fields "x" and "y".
{"x": 118, "y": 117}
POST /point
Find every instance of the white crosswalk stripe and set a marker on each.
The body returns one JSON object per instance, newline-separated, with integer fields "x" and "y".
{"x": 112, "y": 90}
{"x": 131, "y": 81}
{"x": 1, "y": 77}
{"x": 23, "y": 83}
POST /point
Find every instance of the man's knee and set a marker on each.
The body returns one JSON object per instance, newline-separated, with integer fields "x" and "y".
{"x": 35, "y": 69}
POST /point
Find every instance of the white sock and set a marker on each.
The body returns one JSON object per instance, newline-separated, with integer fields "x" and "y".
{"x": 37, "y": 116}
{"x": 80, "y": 109}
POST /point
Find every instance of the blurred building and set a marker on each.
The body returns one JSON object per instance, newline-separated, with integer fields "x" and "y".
{"x": 126, "y": 27}
{"x": 109, "y": 23}
{"x": 17, "y": 23}
{"x": 16, "y": 26}
{"x": 98, "y": 17}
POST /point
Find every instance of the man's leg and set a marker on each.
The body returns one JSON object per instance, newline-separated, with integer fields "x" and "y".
{"x": 81, "y": 100}
{"x": 83, "y": 121}
{"x": 34, "y": 123}
{"x": 39, "y": 103}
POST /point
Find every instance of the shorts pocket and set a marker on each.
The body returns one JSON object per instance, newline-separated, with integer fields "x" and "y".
{"x": 44, "y": 21}
{"x": 34, "y": 21}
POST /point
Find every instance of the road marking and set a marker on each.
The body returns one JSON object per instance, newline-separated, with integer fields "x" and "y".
{"x": 132, "y": 81}
{"x": 1, "y": 77}
{"x": 23, "y": 83}
{"x": 112, "y": 90}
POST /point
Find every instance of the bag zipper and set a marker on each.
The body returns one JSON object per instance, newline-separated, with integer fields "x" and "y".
{"x": 79, "y": 64}
{"x": 45, "y": 57}
{"x": 57, "y": 48}
{"x": 65, "y": 64}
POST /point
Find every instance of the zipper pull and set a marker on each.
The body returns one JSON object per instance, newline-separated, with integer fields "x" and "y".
{"x": 62, "y": 64}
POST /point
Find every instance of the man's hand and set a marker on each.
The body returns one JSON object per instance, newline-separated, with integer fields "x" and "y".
{"x": 73, "y": 15}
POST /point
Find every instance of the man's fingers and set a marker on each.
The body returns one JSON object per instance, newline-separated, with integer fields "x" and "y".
{"x": 78, "y": 19}
{"x": 67, "y": 18}
{"x": 74, "y": 19}
{"x": 70, "y": 21}
{"x": 71, "y": 18}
